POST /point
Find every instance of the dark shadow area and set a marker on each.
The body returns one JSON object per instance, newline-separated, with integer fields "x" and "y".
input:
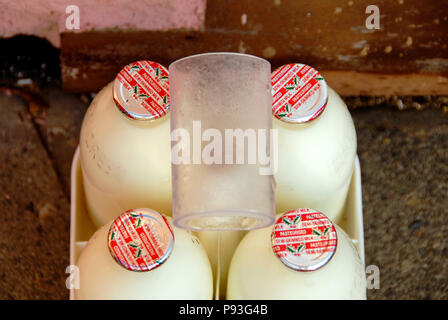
{"x": 28, "y": 57}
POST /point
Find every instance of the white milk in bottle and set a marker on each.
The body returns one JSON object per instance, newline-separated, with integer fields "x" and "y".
{"x": 140, "y": 255}
{"x": 316, "y": 142}
{"x": 125, "y": 144}
{"x": 304, "y": 256}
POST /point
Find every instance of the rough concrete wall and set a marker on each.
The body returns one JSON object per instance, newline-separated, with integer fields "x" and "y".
{"x": 47, "y": 19}
{"x": 408, "y": 54}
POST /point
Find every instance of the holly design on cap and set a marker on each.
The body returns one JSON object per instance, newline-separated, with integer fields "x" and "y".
{"x": 141, "y": 90}
{"x": 286, "y": 113}
{"x": 304, "y": 239}
{"x": 294, "y": 221}
{"x": 140, "y": 240}
{"x": 295, "y": 85}
{"x": 299, "y": 93}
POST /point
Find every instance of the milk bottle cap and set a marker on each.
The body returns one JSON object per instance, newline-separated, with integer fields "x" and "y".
{"x": 299, "y": 93}
{"x": 140, "y": 239}
{"x": 141, "y": 90}
{"x": 304, "y": 239}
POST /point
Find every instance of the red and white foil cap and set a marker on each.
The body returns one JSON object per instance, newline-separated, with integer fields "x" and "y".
{"x": 299, "y": 93}
{"x": 141, "y": 90}
{"x": 140, "y": 240}
{"x": 304, "y": 239}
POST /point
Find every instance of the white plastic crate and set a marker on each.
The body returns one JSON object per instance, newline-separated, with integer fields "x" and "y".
{"x": 82, "y": 228}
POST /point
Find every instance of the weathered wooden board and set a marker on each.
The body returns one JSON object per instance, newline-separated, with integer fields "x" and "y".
{"x": 408, "y": 55}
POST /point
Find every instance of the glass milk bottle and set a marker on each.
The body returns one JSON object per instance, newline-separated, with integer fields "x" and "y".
{"x": 316, "y": 142}
{"x": 140, "y": 255}
{"x": 125, "y": 144}
{"x": 304, "y": 256}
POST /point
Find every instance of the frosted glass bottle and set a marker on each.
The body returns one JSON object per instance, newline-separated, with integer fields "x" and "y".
{"x": 316, "y": 142}
{"x": 215, "y": 95}
{"x": 140, "y": 255}
{"x": 125, "y": 144}
{"x": 304, "y": 256}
